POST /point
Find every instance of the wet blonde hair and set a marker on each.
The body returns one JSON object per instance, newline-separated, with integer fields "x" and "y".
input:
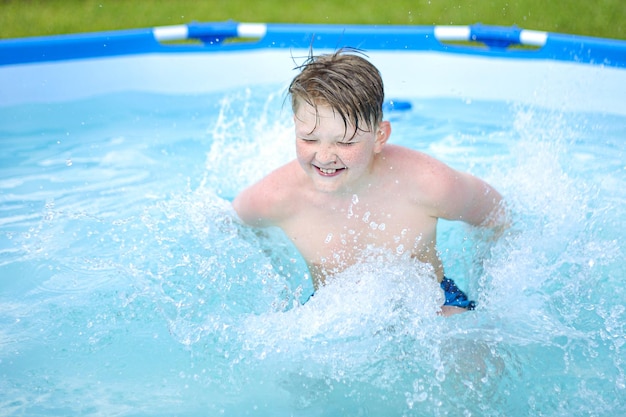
{"x": 345, "y": 81}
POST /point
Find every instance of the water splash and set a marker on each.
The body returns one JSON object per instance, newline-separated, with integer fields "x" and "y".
{"x": 247, "y": 141}
{"x": 212, "y": 309}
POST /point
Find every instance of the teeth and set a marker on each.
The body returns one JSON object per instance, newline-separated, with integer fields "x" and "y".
{"x": 328, "y": 171}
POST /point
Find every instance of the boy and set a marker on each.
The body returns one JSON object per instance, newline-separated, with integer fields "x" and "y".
{"x": 349, "y": 190}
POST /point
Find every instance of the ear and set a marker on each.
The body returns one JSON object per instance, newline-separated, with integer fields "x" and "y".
{"x": 382, "y": 136}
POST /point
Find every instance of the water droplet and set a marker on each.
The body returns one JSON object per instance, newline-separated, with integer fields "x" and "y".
{"x": 421, "y": 397}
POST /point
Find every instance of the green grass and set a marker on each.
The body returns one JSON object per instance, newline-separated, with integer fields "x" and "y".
{"x": 21, "y": 18}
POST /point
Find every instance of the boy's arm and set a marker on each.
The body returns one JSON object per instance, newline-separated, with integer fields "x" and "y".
{"x": 461, "y": 196}
{"x": 266, "y": 203}
{"x": 251, "y": 205}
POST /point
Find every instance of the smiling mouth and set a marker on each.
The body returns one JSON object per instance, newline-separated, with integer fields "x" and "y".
{"x": 329, "y": 172}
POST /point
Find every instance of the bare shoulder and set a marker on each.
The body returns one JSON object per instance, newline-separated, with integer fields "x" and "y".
{"x": 270, "y": 199}
{"x": 417, "y": 168}
{"x": 442, "y": 190}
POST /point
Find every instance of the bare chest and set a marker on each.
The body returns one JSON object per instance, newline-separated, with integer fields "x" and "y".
{"x": 334, "y": 238}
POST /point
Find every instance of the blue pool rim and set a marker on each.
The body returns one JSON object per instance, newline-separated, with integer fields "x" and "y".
{"x": 480, "y": 40}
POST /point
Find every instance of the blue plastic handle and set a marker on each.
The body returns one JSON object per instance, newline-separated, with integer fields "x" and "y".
{"x": 495, "y": 36}
{"x": 212, "y": 33}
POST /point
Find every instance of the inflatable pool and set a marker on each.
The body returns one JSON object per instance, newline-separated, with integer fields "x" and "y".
{"x": 127, "y": 287}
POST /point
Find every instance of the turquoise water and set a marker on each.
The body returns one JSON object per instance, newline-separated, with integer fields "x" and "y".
{"x": 127, "y": 288}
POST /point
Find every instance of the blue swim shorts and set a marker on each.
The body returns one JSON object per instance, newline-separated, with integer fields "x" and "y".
{"x": 454, "y": 296}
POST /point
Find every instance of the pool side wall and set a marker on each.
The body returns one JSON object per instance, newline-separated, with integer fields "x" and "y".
{"x": 564, "y": 72}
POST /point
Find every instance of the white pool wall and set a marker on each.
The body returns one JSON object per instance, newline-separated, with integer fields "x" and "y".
{"x": 553, "y": 84}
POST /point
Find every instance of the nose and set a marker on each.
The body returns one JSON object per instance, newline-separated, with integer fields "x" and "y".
{"x": 326, "y": 154}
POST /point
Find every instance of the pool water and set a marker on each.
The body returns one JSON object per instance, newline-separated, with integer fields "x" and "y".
{"x": 128, "y": 288}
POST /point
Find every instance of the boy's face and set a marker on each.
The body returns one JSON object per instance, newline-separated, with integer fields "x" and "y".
{"x": 334, "y": 159}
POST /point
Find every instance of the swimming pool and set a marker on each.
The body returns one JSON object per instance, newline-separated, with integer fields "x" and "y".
{"x": 127, "y": 288}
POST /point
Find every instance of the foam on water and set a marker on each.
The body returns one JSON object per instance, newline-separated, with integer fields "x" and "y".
{"x": 130, "y": 288}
